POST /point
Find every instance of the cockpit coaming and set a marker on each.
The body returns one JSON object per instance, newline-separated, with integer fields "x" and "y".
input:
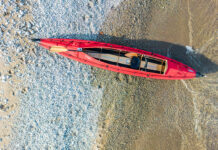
{"x": 128, "y": 60}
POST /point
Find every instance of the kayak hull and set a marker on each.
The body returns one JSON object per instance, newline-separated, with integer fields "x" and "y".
{"x": 175, "y": 70}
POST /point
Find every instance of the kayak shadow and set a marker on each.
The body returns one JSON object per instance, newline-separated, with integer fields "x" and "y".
{"x": 181, "y": 53}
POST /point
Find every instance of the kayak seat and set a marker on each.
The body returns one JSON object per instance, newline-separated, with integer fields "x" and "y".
{"x": 113, "y": 59}
{"x": 154, "y": 66}
{"x": 135, "y": 62}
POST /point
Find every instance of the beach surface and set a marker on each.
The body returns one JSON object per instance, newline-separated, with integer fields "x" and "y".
{"x": 51, "y": 102}
{"x": 146, "y": 114}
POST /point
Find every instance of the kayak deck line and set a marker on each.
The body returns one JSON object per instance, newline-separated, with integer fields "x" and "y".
{"x": 120, "y": 59}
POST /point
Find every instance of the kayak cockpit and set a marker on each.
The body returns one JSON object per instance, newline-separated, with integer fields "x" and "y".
{"x": 128, "y": 60}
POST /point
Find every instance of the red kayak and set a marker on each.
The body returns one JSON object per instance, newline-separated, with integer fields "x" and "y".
{"x": 120, "y": 59}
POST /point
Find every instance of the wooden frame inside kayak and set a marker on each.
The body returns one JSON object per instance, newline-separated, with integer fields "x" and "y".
{"x": 125, "y": 59}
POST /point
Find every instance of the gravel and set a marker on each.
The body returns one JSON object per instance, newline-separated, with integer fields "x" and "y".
{"x": 58, "y": 107}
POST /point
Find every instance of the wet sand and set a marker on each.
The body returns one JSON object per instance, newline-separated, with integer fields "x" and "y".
{"x": 139, "y": 113}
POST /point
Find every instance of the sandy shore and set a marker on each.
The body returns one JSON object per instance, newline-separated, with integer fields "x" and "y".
{"x": 140, "y": 113}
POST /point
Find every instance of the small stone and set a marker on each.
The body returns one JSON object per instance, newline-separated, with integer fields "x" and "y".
{"x": 9, "y": 76}
{"x": 18, "y": 32}
{"x": 86, "y": 18}
{"x": 6, "y": 109}
{"x": 101, "y": 33}
{"x": 24, "y": 90}
{"x": 6, "y": 22}
{"x": 26, "y": 33}
{"x": 2, "y": 106}
{"x": 129, "y": 79}
{"x": 22, "y": 58}
{"x": 21, "y": 13}
{"x": 18, "y": 49}
{"x": 3, "y": 28}
{"x": 120, "y": 77}
{"x": 31, "y": 31}
{"x": 11, "y": 72}
{"x": 90, "y": 4}
{"x": 28, "y": 25}
{"x": 5, "y": 101}
{"x": 4, "y": 78}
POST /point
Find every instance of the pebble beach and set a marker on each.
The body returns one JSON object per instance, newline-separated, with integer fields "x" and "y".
{"x": 42, "y": 107}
